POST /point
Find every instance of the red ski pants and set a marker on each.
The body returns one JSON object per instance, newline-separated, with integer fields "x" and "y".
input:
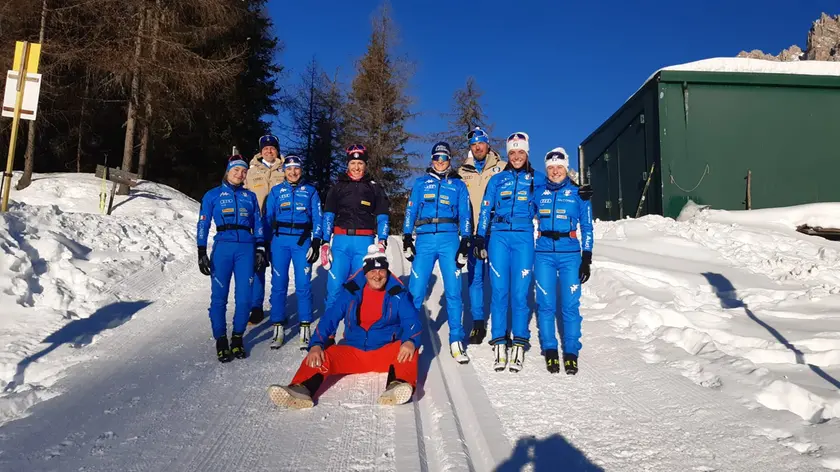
{"x": 343, "y": 359}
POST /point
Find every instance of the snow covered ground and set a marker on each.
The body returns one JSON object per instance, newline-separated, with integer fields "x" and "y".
{"x": 63, "y": 267}
{"x": 710, "y": 343}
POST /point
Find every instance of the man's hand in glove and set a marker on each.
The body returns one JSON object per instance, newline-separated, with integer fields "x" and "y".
{"x": 312, "y": 253}
{"x": 585, "y": 262}
{"x": 409, "y": 251}
{"x": 479, "y": 248}
{"x": 260, "y": 260}
{"x": 462, "y": 256}
{"x": 203, "y": 260}
{"x": 585, "y": 192}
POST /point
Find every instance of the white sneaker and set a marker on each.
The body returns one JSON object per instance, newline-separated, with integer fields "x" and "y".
{"x": 397, "y": 393}
{"x": 305, "y": 336}
{"x": 500, "y": 354}
{"x": 458, "y": 352}
{"x": 279, "y": 335}
{"x": 517, "y": 358}
{"x": 292, "y": 396}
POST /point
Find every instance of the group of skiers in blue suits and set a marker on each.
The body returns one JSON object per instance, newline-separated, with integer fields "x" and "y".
{"x": 489, "y": 219}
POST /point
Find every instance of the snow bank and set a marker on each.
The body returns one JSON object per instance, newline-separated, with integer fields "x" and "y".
{"x": 758, "y": 66}
{"x": 752, "y": 66}
{"x": 62, "y": 261}
{"x": 753, "y": 305}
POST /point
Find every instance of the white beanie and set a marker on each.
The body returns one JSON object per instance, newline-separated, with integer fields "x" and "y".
{"x": 516, "y": 141}
{"x": 557, "y": 157}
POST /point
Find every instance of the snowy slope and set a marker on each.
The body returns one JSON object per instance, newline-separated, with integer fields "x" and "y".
{"x": 739, "y": 304}
{"x": 63, "y": 268}
{"x": 710, "y": 343}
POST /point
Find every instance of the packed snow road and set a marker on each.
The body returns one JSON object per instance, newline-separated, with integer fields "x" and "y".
{"x": 708, "y": 344}
{"x": 154, "y": 398}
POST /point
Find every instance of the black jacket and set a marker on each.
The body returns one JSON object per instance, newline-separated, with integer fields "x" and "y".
{"x": 353, "y": 204}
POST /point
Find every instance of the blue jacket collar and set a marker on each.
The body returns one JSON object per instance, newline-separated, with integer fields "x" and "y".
{"x": 557, "y": 185}
{"x": 357, "y": 284}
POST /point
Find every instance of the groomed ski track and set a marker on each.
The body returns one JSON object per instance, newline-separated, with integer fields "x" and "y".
{"x": 154, "y": 398}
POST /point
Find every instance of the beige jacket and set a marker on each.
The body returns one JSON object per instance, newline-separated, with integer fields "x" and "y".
{"x": 477, "y": 182}
{"x": 260, "y": 178}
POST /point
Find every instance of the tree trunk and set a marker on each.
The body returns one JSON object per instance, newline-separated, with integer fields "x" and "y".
{"x": 29, "y": 156}
{"x": 131, "y": 121}
{"x": 81, "y": 125}
{"x": 147, "y": 95}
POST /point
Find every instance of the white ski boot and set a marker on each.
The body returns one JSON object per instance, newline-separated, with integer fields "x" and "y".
{"x": 500, "y": 354}
{"x": 517, "y": 358}
{"x": 292, "y": 396}
{"x": 305, "y": 336}
{"x": 397, "y": 393}
{"x": 458, "y": 352}
{"x": 279, "y": 335}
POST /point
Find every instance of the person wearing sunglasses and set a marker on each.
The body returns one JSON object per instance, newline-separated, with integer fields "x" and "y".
{"x": 561, "y": 209}
{"x": 438, "y": 210}
{"x": 482, "y": 163}
{"x": 238, "y": 251}
{"x": 508, "y": 210}
{"x": 355, "y": 211}
{"x": 293, "y": 218}
{"x": 266, "y": 171}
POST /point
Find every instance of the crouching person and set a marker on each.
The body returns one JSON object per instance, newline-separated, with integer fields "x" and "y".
{"x": 381, "y": 334}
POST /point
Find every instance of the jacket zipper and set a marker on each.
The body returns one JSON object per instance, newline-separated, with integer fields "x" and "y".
{"x": 514, "y": 197}
{"x": 437, "y": 205}
{"x": 553, "y": 217}
{"x": 236, "y": 209}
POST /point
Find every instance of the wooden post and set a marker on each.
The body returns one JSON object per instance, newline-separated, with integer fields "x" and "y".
{"x": 10, "y": 160}
{"x": 749, "y": 189}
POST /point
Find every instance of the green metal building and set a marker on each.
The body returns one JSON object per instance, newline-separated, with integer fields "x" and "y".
{"x": 704, "y": 132}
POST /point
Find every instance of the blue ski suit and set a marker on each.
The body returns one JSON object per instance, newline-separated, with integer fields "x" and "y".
{"x": 399, "y": 319}
{"x": 508, "y": 211}
{"x": 354, "y": 211}
{"x": 293, "y": 216}
{"x": 558, "y": 256}
{"x": 439, "y": 210}
{"x": 239, "y": 229}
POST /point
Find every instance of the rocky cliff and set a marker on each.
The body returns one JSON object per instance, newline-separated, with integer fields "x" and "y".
{"x": 823, "y": 44}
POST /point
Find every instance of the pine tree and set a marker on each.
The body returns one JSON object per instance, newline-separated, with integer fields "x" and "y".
{"x": 379, "y": 112}
{"x": 466, "y": 113}
{"x": 316, "y": 124}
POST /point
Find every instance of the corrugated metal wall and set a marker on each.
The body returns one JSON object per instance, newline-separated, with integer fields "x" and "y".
{"x": 713, "y": 133}
{"x": 705, "y": 131}
{"x": 618, "y": 158}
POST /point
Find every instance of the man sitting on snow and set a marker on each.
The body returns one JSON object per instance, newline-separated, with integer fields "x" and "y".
{"x": 381, "y": 334}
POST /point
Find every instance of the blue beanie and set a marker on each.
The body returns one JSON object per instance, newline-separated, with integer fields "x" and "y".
{"x": 236, "y": 161}
{"x": 269, "y": 140}
{"x": 442, "y": 147}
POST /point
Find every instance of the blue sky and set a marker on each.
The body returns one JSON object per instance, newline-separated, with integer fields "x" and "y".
{"x": 554, "y": 69}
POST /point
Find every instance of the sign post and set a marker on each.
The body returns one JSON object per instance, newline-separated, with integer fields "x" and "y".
{"x": 116, "y": 176}
{"x": 27, "y": 56}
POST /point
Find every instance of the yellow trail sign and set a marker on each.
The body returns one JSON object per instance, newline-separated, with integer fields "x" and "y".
{"x": 27, "y": 56}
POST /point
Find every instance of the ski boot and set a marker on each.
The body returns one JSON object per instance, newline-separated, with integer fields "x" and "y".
{"x": 397, "y": 393}
{"x": 570, "y": 364}
{"x": 279, "y": 335}
{"x": 237, "y": 347}
{"x": 500, "y": 356}
{"x": 479, "y": 331}
{"x": 517, "y": 358}
{"x": 292, "y": 396}
{"x": 257, "y": 315}
{"x": 552, "y": 361}
{"x": 223, "y": 350}
{"x": 305, "y": 335}
{"x": 458, "y": 352}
